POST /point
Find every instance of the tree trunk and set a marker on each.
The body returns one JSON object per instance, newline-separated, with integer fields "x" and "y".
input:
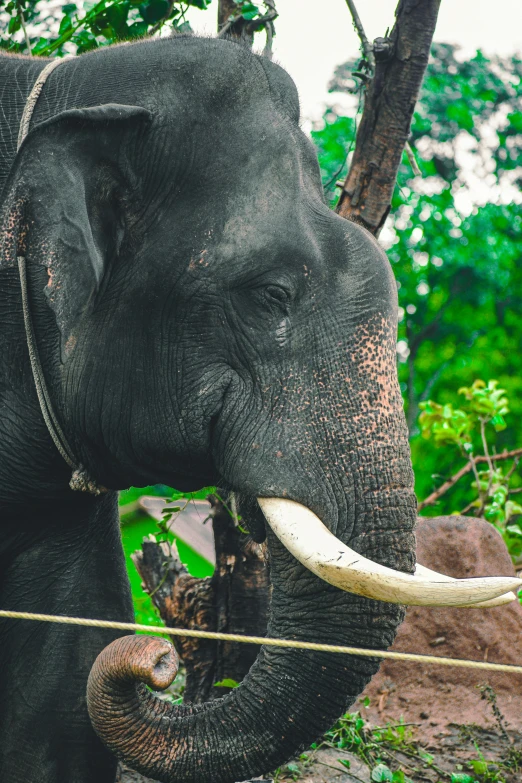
{"x": 234, "y": 600}
{"x": 241, "y": 589}
{"x": 226, "y": 8}
{"x": 183, "y": 601}
{"x": 401, "y": 61}
{"x": 241, "y": 29}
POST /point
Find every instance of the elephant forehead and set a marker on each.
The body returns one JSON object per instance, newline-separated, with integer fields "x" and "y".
{"x": 262, "y": 229}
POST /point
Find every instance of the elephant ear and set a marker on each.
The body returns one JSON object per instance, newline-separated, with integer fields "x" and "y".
{"x": 62, "y": 204}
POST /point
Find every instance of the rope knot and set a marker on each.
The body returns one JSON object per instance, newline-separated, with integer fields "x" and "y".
{"x": 82, "y": 482}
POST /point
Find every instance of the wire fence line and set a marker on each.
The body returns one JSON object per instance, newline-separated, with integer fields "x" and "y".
{"x": 269, "y": 642}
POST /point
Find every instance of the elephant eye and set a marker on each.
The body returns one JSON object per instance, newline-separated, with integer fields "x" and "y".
{"x": 276, "y": 294}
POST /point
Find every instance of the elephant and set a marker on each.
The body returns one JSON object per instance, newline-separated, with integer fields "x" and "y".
{"x": 201, "y": 318}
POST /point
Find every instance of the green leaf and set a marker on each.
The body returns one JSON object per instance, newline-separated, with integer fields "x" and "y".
{"x": 498, "y": 422}
{"x": 183, "y": 27}
{"x": 479, "y": 766}
{"x": 462, "y": 777}
{"x": 226, "y": 683}
{"x": 154, "y": 10}
{"x": 382, "y": 774}
{"x": 14, "y": 25}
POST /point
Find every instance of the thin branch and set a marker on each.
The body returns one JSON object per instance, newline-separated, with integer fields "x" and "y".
{"x": 249, "y": 27}
{"x": 432, "y": 499}
{"x": 484, "y": 495}
{"x": 366, "y": 45}
{"x": 512, "y": 469}
{"x": 224, "y": 30}
{"x": 485, "y": 444}
{"x": 412, "y": 160}
{"x": 270, "y": 29}
{"x": 48, "y": 50}
{"x": 468, "y": 508}
{"x": 24, "y": 28}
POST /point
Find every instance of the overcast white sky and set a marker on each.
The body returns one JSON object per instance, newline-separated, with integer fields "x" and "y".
{"x": 313, "y": 36}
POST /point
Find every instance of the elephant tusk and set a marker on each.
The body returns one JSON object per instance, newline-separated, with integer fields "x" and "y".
{"x": 310, "y": 542}
{"x": 426, "y": 573}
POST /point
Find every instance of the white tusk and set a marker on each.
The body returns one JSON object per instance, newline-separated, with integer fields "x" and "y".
{"x": 305, "y": 536}
{"x": 426, "y": 573}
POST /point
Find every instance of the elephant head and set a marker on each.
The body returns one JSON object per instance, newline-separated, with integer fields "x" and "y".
{"x": 212, "y": 321}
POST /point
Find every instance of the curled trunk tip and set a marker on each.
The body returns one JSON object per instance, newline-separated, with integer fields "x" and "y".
{"x": 131, "y": 659}
{"x": 116, "y": 693}
{"x": 149, "y": 659}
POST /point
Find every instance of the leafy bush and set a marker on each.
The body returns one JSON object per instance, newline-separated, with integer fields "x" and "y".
{"x": 470, "y": 432}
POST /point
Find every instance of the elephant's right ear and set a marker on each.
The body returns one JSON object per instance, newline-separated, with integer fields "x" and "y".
{"x": 61, "y": 202}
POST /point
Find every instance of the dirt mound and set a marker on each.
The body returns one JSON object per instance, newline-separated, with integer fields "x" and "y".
{"x": 434, "y": 696}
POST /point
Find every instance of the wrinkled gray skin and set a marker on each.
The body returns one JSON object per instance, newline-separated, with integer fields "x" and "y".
{"x": 203, "y": 318}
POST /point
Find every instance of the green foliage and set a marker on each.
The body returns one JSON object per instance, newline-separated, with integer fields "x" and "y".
{"x": 454, "y": 239}
{"x": 448, "y": 426}
{"x": 247, "y": 10}
{"x": 226, "y": 683}
{"x": 472, "y": 431}
{"x": 137, "y": 525}
{"x": 334, "y": 142}
{"x": 392, "y": 754}
{"x": 80, "y": 27}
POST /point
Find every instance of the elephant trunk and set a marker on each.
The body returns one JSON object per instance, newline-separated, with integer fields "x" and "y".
{"x": 288, "y": 699}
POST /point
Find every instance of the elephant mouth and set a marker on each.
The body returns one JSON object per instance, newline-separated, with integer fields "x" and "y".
{"x": 318, "y": 550}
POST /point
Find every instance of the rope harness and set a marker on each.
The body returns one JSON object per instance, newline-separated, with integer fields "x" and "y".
{"x": 80, "y": 479}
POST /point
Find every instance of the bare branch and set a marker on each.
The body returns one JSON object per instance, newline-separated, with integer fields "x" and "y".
{"x": 412, "y": 160}
{"x": 24, "y": 28}
{"x": 233, "y": 24}
{"x": 366, "y": 45}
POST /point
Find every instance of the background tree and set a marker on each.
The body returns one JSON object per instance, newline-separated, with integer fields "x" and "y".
{"x": 391, "y": 72}
{"x": 454, "y": 238}
{"x": 32, "y": 27}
